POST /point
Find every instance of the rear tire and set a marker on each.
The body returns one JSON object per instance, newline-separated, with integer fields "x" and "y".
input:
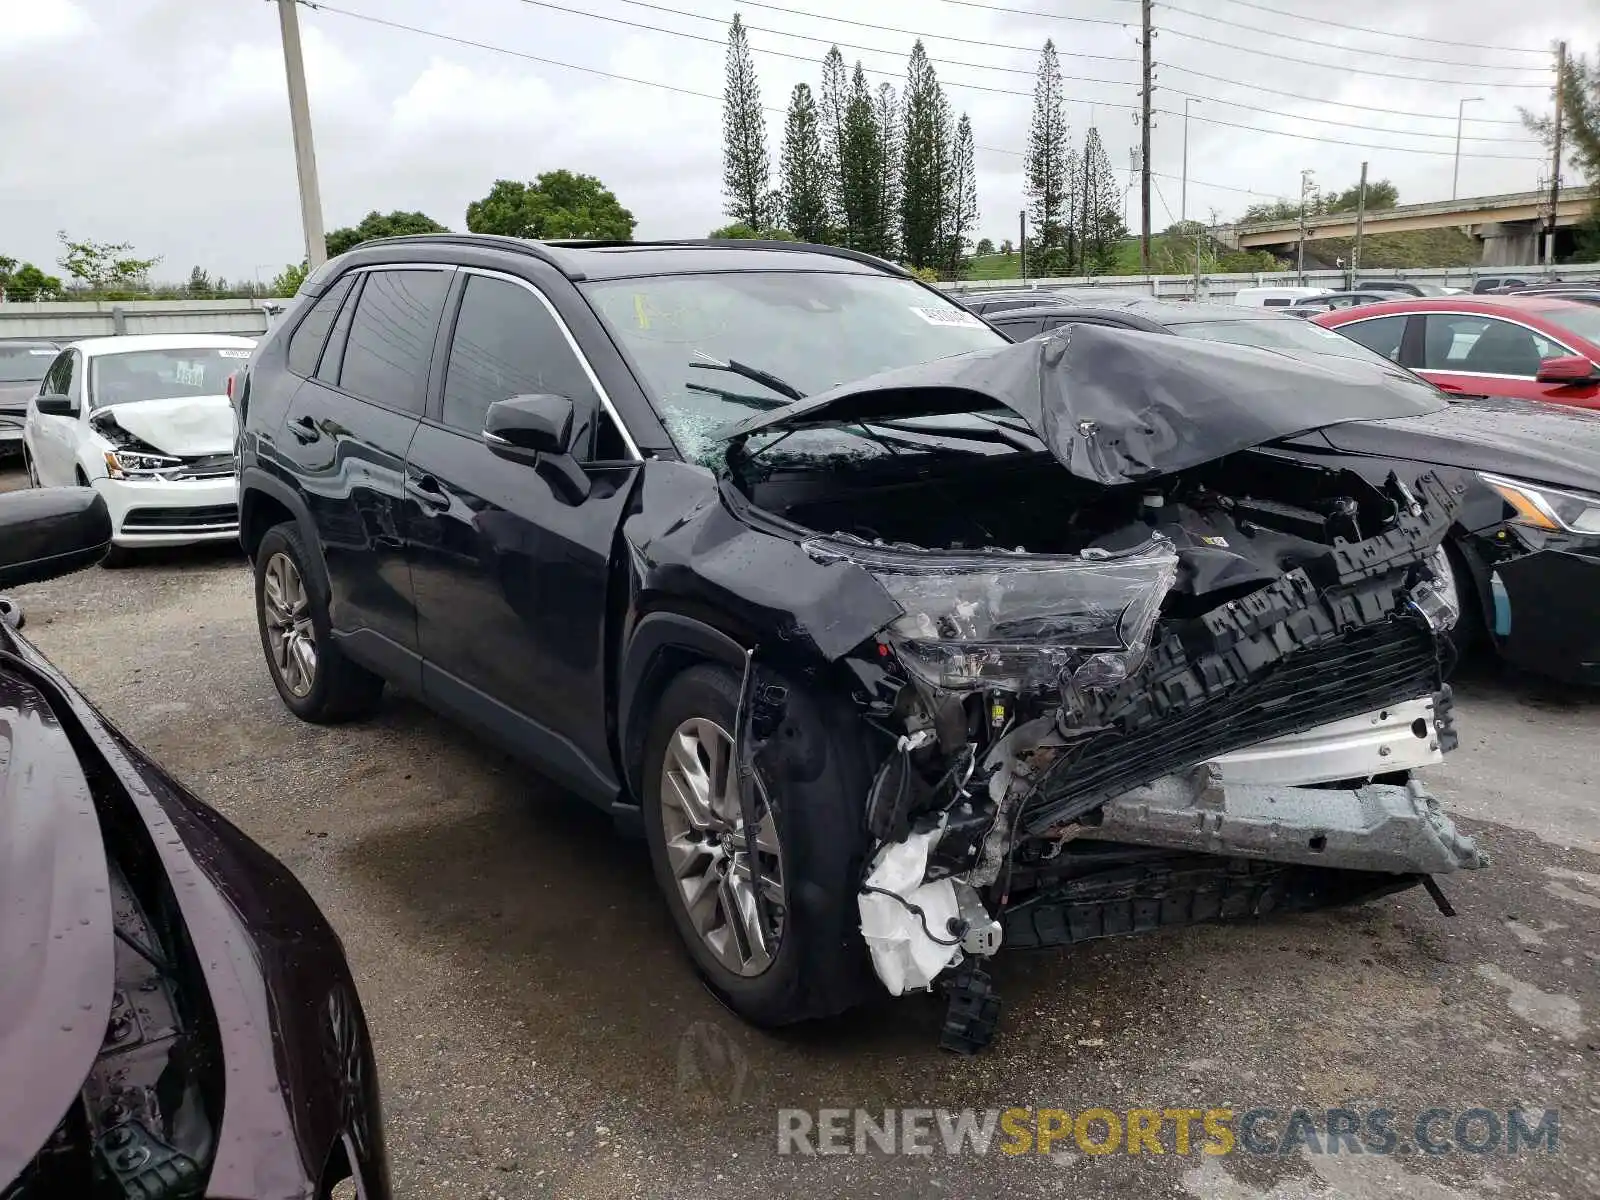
{"x": 814, "y": 786}
{"x": 315, "y": 681}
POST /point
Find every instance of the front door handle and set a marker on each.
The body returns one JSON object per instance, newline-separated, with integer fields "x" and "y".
{"x": 426, "y": 491}
{"x": 305, "y": 430}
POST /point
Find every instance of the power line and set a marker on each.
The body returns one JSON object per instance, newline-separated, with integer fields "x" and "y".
{"x": 981, "y": 66}
{"x": 805, "y": 37}
{"x": 1306, "y": 137}
{"x": 1278, "y": 12}
{"x": 796, "y": 12}
{"x": 1305, "y": 41}
{"x": 652, "y": 83}
{"x": 1023, "y": 12}
{"x": 1348, "y": 70}
{"x": 1261, "y": 87}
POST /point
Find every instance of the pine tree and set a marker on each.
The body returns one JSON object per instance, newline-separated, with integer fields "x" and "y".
{"x": 926, "y": 161}
{"x": 862, "y": 170}
{"x": 746, "y": 168}
{"x": 890, "y": 137}
{"x": 804, "y": 170}
{"x": 1101, "y": 205}
{"x": 1049, "y": 169}
{"x": 961, "y": 206}
{"x": 833, "y": 99}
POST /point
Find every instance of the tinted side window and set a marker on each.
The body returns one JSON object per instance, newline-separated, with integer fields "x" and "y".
{"x": 506, "y": 344}
{"x": 305, "y": 344}
{"x": 1483, "y": 345}
{"x": 58, "y": 379}
{"x": 1019, "y": 331}
{"x": 390, "y": 345}
{"x": 1381, "y": 335}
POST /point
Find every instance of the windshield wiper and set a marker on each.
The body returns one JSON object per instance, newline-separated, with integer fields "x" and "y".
{"x": 755, "y": 374}
{"x": 765, "y": 403}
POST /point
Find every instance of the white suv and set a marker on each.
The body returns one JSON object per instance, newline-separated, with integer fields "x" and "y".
{"x": 146, "y": 421}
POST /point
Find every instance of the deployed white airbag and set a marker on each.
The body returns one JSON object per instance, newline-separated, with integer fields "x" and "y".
{"x": 904, "y": 954}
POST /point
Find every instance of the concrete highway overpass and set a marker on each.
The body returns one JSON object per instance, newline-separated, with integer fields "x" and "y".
{"x": 1508, "y": 226}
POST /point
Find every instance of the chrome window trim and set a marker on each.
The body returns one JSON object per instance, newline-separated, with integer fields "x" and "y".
{"x": 606, "y": 405}
{"x": 1482, "y": 316}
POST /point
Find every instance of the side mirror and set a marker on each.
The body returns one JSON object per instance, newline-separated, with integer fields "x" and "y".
{"x": 524, "y": 427}
{"x": 53, "y": 405}
{"x": 541, "y": 432}
{"x": 1566, "y": 368}
{"x": 47, "y": 532}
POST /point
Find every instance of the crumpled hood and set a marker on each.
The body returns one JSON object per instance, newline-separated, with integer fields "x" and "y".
{"x": 1529, "y": 439}
{"x": 1117, "y": 405}
{"x": 185, "y": 426}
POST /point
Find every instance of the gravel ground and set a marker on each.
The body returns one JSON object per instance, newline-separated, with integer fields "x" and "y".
{"x": 540, "y": 1034}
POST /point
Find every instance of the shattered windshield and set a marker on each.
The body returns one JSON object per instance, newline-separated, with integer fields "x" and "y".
{"x": 805, "y": 331}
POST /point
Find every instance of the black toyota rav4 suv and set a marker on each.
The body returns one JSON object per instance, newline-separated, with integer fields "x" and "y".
{"x": 901, "y": 642}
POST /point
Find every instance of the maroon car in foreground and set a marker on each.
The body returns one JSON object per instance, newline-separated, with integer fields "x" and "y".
{"x": 176, "y": 1017}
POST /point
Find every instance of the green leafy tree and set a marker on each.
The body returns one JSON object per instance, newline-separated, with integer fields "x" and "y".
{"x": 1380, "y": 194}
{"x": 1007, "y": 246}
{"x": 1050, "y": 171}
{"x": 926, "y": 170}
{"x": 287, "y": 281}
{"x": 803, "y": 170}
{"x": 891, "y": 140}
{"x": 199, "y": 283}
{"x": 746, "y": 167}
{"x": 742, "y": 232}
{"x": 833, "y": 102}
{"x": 103, "y": 266}
{"x": 861, "y": 171}
{"x": 26, "y": 282}
{"x": 984, "y": 246}
{"x": 1579, "y": 86}
{"x": 558, "y": 204}
{"x": 380, "y": 225}
{"x": 961, "y": 202}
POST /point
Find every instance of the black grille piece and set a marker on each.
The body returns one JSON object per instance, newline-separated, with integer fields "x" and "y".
{"x": 207, "y": 516}
{"x": 207, "y": 466}
{"x": 1362, "y": 670}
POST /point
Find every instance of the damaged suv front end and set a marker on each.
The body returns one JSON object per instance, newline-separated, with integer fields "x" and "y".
{"x": 1141, "y": 670}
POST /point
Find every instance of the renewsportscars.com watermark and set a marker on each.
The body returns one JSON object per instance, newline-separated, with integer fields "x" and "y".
{"x": 1176, "y": 1131}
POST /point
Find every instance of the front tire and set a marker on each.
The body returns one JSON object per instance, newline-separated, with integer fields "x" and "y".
{"x": 315, "y": 681}
{"x": 798, "y": 955}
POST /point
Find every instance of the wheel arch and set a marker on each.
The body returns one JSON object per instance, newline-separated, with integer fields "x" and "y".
{"x": 663, "y": 645}
{"x": 265, "y": 501}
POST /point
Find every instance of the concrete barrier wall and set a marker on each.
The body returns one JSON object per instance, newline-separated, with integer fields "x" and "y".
{"x": 104, "y": 318}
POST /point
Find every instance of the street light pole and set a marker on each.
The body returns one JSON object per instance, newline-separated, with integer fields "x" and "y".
{"x": 1300, "y": 252}
{"x": 305, "y": 157}
{"x": 1183, "y": 204}
{"x": 1461, "y": 108}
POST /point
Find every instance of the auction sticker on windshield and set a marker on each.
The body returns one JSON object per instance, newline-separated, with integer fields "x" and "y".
{"x": 954, "y": 317}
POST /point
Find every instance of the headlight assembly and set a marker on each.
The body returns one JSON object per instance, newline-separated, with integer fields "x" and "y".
{"x": 125, "y": 464}
{"x": 1019, "y": 621}
{"x": 1554, "y": 511}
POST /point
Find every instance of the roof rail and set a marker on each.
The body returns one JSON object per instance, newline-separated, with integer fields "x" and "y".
{"x": 549, "y": 250}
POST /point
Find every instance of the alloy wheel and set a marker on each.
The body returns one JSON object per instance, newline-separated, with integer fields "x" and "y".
{"x": 286, "y": 610}
{"x": 711, "y": 852}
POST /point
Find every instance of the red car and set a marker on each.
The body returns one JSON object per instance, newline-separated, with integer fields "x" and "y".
{"x": 1531, "y": 347}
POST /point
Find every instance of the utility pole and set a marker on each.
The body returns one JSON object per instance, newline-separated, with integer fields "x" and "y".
{"x": 1183, "y": 203}
{"x": 1300, "y": 251}
{"x": 1461, "y": 108}
{"x": 1361, "y": 220}
{"x": 1146, "y": 7}
{"x": 1555, "y": 157}
{"x": 1022, "y": 244}
{"x": 305, "y": 155}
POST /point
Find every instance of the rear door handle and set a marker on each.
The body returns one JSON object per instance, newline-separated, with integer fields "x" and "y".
{"x": 426, "y": 491}
{"x": 305, "y": 430}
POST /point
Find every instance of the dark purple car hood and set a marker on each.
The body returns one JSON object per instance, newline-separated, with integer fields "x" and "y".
{"x": 55, "y": 925}
{"x": 1527, "y": 439}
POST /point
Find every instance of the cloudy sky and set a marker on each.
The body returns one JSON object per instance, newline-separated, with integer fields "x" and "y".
{"x": 164, "y": 123}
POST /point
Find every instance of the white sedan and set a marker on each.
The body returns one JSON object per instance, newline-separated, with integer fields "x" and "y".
{"x": 146, "y": 421}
